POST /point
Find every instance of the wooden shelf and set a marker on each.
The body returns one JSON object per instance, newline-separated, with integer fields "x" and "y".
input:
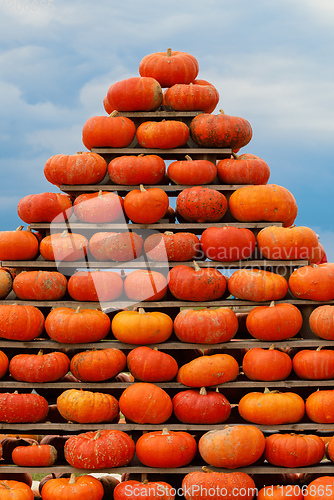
{"x": 169, "y": 188}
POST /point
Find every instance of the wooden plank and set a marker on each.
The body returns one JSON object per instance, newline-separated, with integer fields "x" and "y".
{"x": 169, "y": 188}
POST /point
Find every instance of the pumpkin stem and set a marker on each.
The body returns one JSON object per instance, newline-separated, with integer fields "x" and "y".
{"x": 271, "y": 347}
{"x": 97, "y": 435}
{"x": 141, "y": 154}
{"x": 19, "y": 228}
{"x": 206, "y": 469}
{"x": 79, "y": 152}
{"x": 168, "y": 233}
{"x": 196, "y": 266}
{"x": 72, "y": 479}
{"x": 272, "y": 303}
{"x": 78, "y": 309}
{"x": 169, "y": 52}
{"x": 99, "y": 193}
{"x": 40, "y": 352}
{"x": 114, "y": 113}
{"x": 188, "y": 158}
{"x": 235, "y": 156}
{"x": 142, "y": 189}
{"x": 319, "y": 348}
{"x": 222, "y": 111}
{"x": 141, "y": 310}
{"x": 266, "y": 390}
{"x": 165, "y": 431}
{"x": 202, "y": 391}
{"x": 64, "y": 234}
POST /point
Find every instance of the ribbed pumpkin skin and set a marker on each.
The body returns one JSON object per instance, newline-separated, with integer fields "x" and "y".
{"x": 197, "y": 285}
{"x": 119, "y": 247}
{"x": 257, "y": 285}
{"x": 206, "y": 326}
{"x": 22, "y": 408}
{"x": 134, "y": 94}
{"x": 201, "y": 407}
{"x": 144, "y": 490}
{"x": 206, "y": 371}
{"x": 61, "y": 247}
{"x": 228, "y": 244}
{"x": 166, "y": 448}
{"x": 95, "y": 286}
{"x": 266, "y": 364}
{"x": 98, "y": 365}
{"x": 18, "y": 322}
{"x": 232, "y": 447}
{"x": 70, "y": 326}
{"x": 272, "y": 408}
{"x": 44, "y": 207}
{"x": 314, "y": 491}
{"x": 268, "y": 202}
{"x": 320, "y": 406}
{"x": 6, "y": 283}
{"x": 170, "y": 67}
{"x": 141, "y": 285}
{"x": 82, "y": 487}
{"x": 192, "y": 172}
{"x": 134, "y": 170}
{"x": 87, "y": 407}
{"x": 146, "y": 403}
{"x": 314, "y": 364}
{"x": 99, "y": 449}
{"x": 220, "y": 131}
{"x": 201, "y": 204}
{"x": 294, "y": 450}
{"x": 274, "y": 322}
{"x": 140, "y": 327}
{"x": 287, "y": 243}
{"x": 178, "y": 247}
{"x": 281, "y": 492}
{"x": 10, "y": 490}
{"x": 18, "y": 245}
{"x": 40, "y": 285}
{"x": 151, "y": 365}
{"x": 146, "y": 206}
{"x": 80, "y": 168}
{"x": 243, "y": 169}
{"x": 313, "y": 282}
{"x": 237, "y": 485}
{"x": 39, "y": 367}
{"x": 102, "y": 206}
{"x": 35, "y": 455}
{"x": 108, "y": 131}
{"x": 321, "y": 322}
{"x": 167, "y": 134}
{"x": 192, "y": 97}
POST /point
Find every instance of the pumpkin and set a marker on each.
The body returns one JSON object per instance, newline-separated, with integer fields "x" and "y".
{"x": 274, "y": 322}
{"x": 4, "y": 363}
{"x": 168, "y": 246}
{"x": 39, "y": 368}
{"x": 206, "y": 326}
{"x": 287, "y": 243}
{"x": 23, "y": 477}
{"x": 18, "y": 245}
{"x": 22, "y": 408}
{"x": 281, "y": 492}
{"x": 192, "y": 172}
{"x": 150, "y": 365}
{"x": 145, "y": 403}
{"x": 321, "y": 321}
{"x": 271, "y": 407}
{"x": 85, "y": 486}
{"x": 93, "y": 286}
{"x": 98, "y": 365}
{"x": 294, "y": 450}
{"x": 39, "y": 455}
{"x": 195, "y": 406}
{"x": 83, "y": 167}
{"x": 141, "y": 327}
{"x": 108, "y": 131}
{"x": 170, "y": 67}
{"x": 144, "y": 491}
{"x": 220, "y": 131}
{"x": 202, "y": 485}
{"x": 146, "y": 206}
{"x": 232, "y": 447}
{"x": 196, "y": 284}
{"x": 134, "y": 170}
{"x": 313, "y": 282}
{"x": 228, "y": 244}
{"x": 119, "y": 247}
{"x": 165, "y": 134}
{"x": 206, "y": 371}
{"x": 40, "y": 285}
{"x": 201, "y": 204}
{"x": 314, "y": 364}
{"x": 319, "y": 489}
{"x": 266, "y": 365}
{"x": 243, "y": 169}
{"x": 19, "y": 322}
{"x": 192, "y": 97}
{"x": 257, "y": 285}
{"x": 77, "y": 326}
{"x": 320, "y": 406}
{"x": 102, "y": 206}
{"x": 64, "y": 247}
{"x": 142, "y": 285}
{"x": 15, "y": 490}
{"x": 166, "y": 449}
{"x": 268, "y": 202}
{"x": 9, "y": 443}
{"x": 6, "y": 283}
{"x": 139, "y": 93}
{"x": 45, "y": 207}
{"x": 87, "y": 407}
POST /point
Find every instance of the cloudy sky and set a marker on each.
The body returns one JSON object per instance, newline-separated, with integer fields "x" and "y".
{"x": 271, "y": 61}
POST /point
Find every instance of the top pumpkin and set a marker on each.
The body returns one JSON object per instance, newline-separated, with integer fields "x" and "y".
{"x": 133, "y": 94}
{"x": 170, "y": 68}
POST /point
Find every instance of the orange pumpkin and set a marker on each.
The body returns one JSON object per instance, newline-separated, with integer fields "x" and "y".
{"x": 145, "y": 490}
{"x": 6, "y": 283}
{"x": 140, "y": 327}
{"x": 201, "y": 406}
{"x": 314, "y": 364}
{"x": 150, "y": 365}
{"x": 64, "y": 247}
{"x": 237, "y": 485}
{"x": 228, "y": 244}
{"x": 163, "y": 134}
{"x": 45, "y": 207}
{"x": 133, "y": 94}
{"x": 274, "y": 322}
{"x": 95, "y": 286}
{"x": 192, "y": 172}
{"x": 314, "y": 282}
{"x": 146, "y": 206}
{"x": 257, "y": 285}
{"x": 119, "y": 247}
{"x": 266, "y": 364}
{"x": 243, "y": 169}
{"x": 19, "y": 322}
{"x": 294, "y": 450}
{"x": 316, "y": 490}
{"x": 167, "y": 246}
{"x": 321, "y": 322}
{"x": 40, "y": 285}
{"x": 320, "y": 406}
{"x": 98, "y": 364}
{"x": 83, "y": 167}
{"x": 134, "y": 170}
{"x": 196, "y": 284}
{"x": 87, "y": 407}
{"x": 201, "y": 204}
{"x": 4, "y": 363}
{"x": 145, "y": 403}
{"x": 73, "y": 487}
{"x": 287, "y": 243}
{"x": 141, "y": 285}
{"x": 11, "y": 489}
{"x": 281, "y": 492}
{"x": 18, "y": 245}
{"x": 38, "y": 455}
{"x": 207, "y": 371}
{"x": 39, "y": 368}
{"x": 192, "y": 97}
{"x": 108, "y": 131}
{"x": 102, "y": 206}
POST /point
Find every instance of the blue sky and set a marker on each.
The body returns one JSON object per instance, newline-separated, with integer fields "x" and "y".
{"x": 271, "y": 61}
